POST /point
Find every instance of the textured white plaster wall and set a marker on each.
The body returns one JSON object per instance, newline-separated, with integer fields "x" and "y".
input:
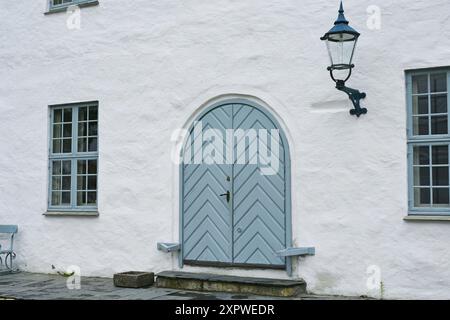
{"x": 153, "y": 64}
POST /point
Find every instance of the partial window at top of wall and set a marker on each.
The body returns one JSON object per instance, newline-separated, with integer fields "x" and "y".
{"x": 62, "y": 5}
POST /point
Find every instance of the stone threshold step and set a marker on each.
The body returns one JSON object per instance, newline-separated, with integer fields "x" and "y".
{"x": 220, "y": 283}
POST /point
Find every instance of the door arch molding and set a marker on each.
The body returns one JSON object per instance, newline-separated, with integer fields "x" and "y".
{"x": 279, "y": 124}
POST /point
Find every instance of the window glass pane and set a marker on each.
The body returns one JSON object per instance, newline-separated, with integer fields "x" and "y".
{"x": 82, "y": 145}
{"x": 56, "y": 198}
{"x": 421, "y": 176}
{"x": 92, "y": 144}
{"x": 92, "y": 128}
{"x": 421, "y": 155}
{"x": 81, "y": 198}
{"x": 56, "y": 148}
{"x": 65, "y": 198}
{"x": 66, "y": 168}
{"x": 92, "y": 198}
{"x": 82, "y": 129}
{"x": 439, "y": 125}
{"x": 420, "y": 105}
{"x": 421, "y": 197}
{"x": 57, "y": 115}
{"x": 92, "y": 113}
{"x": 67, "y": 146}
{"x": 440, "y": 154}
{"x": 438, "y": 82}
{"x": 57, "y": 131}
{"x": 439, "y": 103}
{"x": 82, "y": 114}
{"x": 66, "y": 183}
{"x": 67, "y": 130}
{"x": 420, "y": 84}
{"x": 92, "y": 182}
{"x": 92, "y": 167}
{"x": 56, "y": 183}
{"x": 81, "y": 183}
{"x": 56, "y": 165}
{"x": 81, "y": 167}
{"x": 440, "y": 176}
{"x": 440, "y": 197}
{"x": 67, "y": 115}
{"x": 420, "y": 125}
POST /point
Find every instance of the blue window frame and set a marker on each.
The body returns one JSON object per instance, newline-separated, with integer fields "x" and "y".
{"x": 73, "y": 157}
{"x": 58, "y": 4}
{"x": 428, "y": 134}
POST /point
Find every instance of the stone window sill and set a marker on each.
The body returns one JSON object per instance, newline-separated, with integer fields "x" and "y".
{"x": 71, "y": 214}
{"x": 426, "y": 218}
{"x": 64, "y": 8}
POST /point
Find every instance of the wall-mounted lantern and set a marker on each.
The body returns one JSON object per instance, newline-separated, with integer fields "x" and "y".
{"x": 341, "y": 42}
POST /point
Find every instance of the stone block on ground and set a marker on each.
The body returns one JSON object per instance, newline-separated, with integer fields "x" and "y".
{"x": 134, "y": 279}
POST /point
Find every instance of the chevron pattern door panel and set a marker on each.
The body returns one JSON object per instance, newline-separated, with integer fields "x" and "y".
{"x": 251, "y": 227}
{"x": 207, "y": 218}
{"x": 258, "y": 200}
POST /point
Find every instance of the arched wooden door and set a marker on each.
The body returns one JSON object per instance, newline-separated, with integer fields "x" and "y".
{"x": 235, "y": 198}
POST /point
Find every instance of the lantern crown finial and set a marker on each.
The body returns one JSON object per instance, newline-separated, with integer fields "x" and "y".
{"x": 341, "y": 17}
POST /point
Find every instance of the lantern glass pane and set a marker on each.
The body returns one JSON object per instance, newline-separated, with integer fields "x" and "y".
{"x": 341, "y": 37}
{"x": 341, "y": 53}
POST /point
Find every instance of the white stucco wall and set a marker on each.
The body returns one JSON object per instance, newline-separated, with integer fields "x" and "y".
{"x": 153, "y": 64}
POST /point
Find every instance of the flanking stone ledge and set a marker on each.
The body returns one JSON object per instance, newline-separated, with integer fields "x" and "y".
{"x": 71, "y": 214}
{"x": 426, "y": 218}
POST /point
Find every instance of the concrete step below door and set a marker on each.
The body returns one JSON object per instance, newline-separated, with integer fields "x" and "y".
{"x": 218, "y": 283}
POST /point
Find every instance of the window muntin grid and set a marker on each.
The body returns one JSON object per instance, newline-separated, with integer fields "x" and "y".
{"x": 72, "y": 188}
{"x": 428, "y": 141}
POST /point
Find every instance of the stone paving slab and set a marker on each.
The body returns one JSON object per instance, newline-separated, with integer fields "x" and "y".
{"x": 33, "y": 286}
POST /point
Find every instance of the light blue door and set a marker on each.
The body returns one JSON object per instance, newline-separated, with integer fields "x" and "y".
{"x": 207, "y": 216}
{"x": 259, "y": 200}
{"x": 232, "y": 213}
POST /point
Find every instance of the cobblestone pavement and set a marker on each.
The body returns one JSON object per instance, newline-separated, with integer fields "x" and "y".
{"x": 35, "y": 286}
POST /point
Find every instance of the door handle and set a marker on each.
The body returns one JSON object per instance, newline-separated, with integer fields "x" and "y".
{"x": 228, "y": 194}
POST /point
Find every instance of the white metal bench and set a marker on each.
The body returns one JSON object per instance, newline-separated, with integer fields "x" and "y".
{"x": 8, "y": 254}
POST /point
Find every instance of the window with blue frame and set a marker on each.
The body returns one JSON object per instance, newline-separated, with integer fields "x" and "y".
{"x": 73, "y": 157}
{"x": 428, "y": 141}
{"x": 57, "y": 4}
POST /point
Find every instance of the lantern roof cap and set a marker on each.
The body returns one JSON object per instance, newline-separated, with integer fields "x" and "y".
{"x": 341, "y": 26}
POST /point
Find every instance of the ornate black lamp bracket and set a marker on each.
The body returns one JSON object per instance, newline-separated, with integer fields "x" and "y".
{"x": 354, "y": 95}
